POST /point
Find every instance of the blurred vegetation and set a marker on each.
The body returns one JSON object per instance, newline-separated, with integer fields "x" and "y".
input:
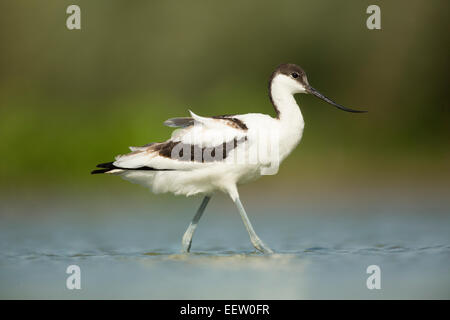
{"x": 71, "y": 99}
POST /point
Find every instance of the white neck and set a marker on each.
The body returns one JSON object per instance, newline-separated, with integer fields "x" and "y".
{"x": 289, "y": 115}
{"x": 284, "y": 103}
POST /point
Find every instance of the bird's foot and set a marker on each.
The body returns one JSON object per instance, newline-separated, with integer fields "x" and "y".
{"x": 186, "y": 248}
{"x": 259, "y": 245}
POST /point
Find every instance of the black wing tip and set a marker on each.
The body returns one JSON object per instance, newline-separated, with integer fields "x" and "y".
{"x": 105, "y": 167}
{"x": 108, "y": 165}
{"x": 100, "y": 171}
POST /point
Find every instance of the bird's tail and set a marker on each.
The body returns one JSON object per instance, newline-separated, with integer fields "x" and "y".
{"x": 108, "y": 167}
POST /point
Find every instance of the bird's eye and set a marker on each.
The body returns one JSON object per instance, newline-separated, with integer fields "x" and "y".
{"x": 294, "y": 75}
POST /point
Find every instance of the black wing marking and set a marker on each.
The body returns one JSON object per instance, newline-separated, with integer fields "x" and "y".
{"x": 236, "y": 122}
{"x": 192, "y": 152}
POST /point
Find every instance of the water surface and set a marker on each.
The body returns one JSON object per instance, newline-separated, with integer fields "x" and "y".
{"x": 134, "y": 252}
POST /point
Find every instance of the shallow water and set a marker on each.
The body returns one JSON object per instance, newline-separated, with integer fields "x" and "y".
{"x": 131, "y": 253}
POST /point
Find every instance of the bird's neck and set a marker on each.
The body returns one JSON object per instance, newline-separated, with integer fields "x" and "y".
{"x": 287, "y": 109}
{"x": 289, "y": 116}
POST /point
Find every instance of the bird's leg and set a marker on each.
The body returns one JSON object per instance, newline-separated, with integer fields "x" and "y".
{"x": 256, "y": 241}
{"x": 187, "y": 237}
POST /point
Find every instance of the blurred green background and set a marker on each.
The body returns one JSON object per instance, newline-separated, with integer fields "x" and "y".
{"x": 72, "y": 99}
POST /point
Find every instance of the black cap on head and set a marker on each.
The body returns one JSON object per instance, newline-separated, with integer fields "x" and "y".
{"x": 290, "y": 70}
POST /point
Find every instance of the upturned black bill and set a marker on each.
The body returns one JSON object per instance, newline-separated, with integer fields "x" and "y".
{"x": 313, "y": 91}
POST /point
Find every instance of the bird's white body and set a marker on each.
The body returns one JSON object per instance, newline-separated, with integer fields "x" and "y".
{"x": 196, "y": 177}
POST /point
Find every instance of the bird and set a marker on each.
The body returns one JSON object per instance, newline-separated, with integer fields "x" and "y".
{"x": 207, "y": 155}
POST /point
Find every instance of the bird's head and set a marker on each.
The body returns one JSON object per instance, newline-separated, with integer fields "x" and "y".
{"x": 293, "y": 79}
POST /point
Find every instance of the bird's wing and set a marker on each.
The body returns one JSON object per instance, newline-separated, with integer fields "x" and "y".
{"x": 179, "y": 122}
{"x": 190, "y": 146}
{"x": 184, "y": 122}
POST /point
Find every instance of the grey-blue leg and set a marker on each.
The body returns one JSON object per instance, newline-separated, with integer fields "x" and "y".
{"x": 187, "y": 238}
{"x": 256, "y": 241}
